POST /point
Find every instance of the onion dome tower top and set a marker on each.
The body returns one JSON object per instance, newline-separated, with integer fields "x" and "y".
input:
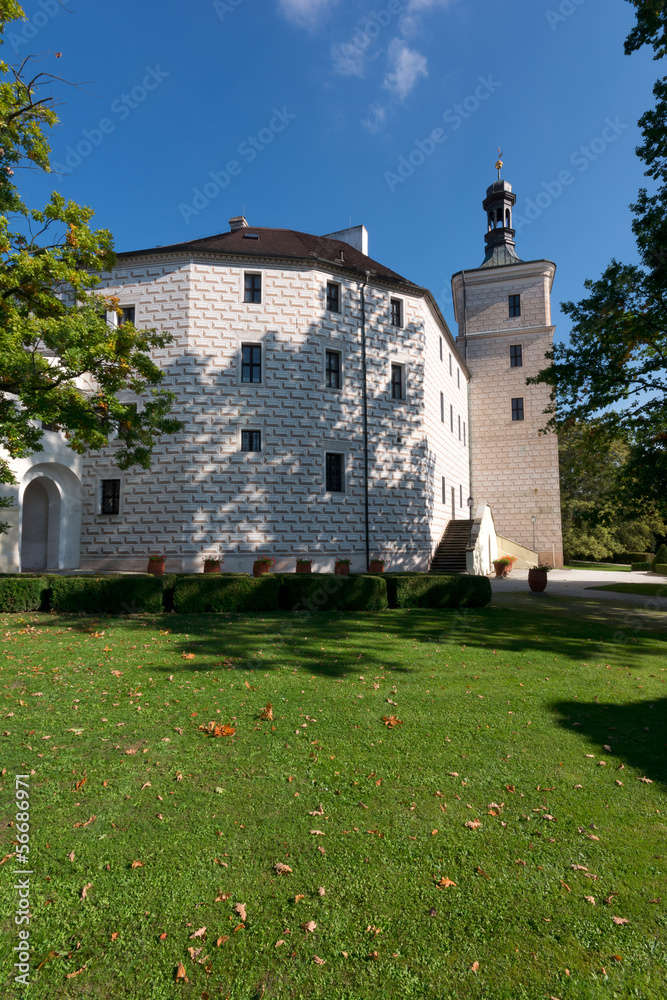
{"x": 499, "y": 239}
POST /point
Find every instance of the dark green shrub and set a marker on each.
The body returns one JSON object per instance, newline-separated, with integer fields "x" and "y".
{"x": 200, "y": 593}
{"x": 633, "y": 557}
{"x": 329, "y": 592}
{"x": 661, "y": 555}
{"x": 112, "y": 595}
{"x": 23, "y": 593}
{"x": 639, "y": 566}
{"x": 430, "y": 591}
{"x": 660, "y": 568}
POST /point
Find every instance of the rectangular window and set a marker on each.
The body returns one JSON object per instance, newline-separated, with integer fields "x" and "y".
{"x": 459, "y": 427}
{"x": 441, "y": 348}
{"x": 450, "y": 364}
{"x": 251, "y": 440}
{"x": 333, "y": 380}
{"x": 515, "y": 305}
{"x": 335, "y": 482}
{"x": 517, "y": 408}
{"x": 110, "y": 496}
{"x": 516, "y": 356}
{"x": 127, "y": 314}
{"x": 451, "y": 419}
{"x": 396, "y": 312}
{"x": 460, "y": 496}
{"x": 442, "y": 407}
{"x": 464, "y": 432}
{"x": 397, "y": 382}
{"x": 444, "y": 491}
{"x": 251, "y": 363}
{"x": 253, "y": 287}
{"x": 458, "y": 378}
{"x": 333, "y": 297}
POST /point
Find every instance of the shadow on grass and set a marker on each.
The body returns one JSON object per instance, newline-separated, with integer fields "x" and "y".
{"x": 636, "y": 732}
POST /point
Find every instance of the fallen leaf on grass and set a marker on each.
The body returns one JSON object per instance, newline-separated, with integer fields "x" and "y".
{"x": 216, "y": 729}
{"x": 480, "y": 871}
{"x": 474, "y": 967}
{"x": 181, "y": 975}
{"x": 317, "y": 812}
{"x": 114, "y": 936}
{"x": 472, "y": 824}
{"x": 321, "y": 891}
{"x": 81, "y": 783}
{"x": 71, "y": 975}
{"x": 240, "y": 909}
{"x": 188, "y": 656}
{"x": 647, "y": 781}
{"x": 391, "y": 721}
{"x": 70, "y": 856}
{"x": 267, "y": 713}
{"x": 565, "y": 885}
{"x": 163, "y": 936}
{"x": 620, "y": 921}
{"x": 298, "y": 898}
{"x": 278, "y": 943}
{"x": 318, "y": 960}
{"x": 222, "y": 897}
{"x": 590, "y": 899}
{"x": 309, "y": 926}
{"x": 84, "y": 891}
{"x": 137, "y": 864}
{"x": 282, "y": 869}
{"x": 444, "y": 883}
{"x": 579, "y": 868}
{"x": 221, "y": 940}
{"x": 117, "y": 673}
{"x": 317, "y": 833}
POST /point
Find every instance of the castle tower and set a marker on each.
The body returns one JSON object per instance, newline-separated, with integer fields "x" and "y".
{"x": 503, "y": 311}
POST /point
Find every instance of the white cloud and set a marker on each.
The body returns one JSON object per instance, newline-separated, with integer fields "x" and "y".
{"x": 408, "y": 66}
{"x": 375, "y": 119}
{"x": 348, "y": 58}
{"x": 305, "y": 13}
{"x": 410, "y": 21}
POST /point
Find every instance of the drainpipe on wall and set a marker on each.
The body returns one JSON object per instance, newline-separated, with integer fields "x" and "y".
{"x": 364, "y": 398}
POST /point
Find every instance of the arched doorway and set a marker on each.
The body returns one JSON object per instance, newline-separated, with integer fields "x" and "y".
{"x": 37, "y": 518}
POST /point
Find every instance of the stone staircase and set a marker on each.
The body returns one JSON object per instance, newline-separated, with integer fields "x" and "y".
{"x": 450, "y": 555}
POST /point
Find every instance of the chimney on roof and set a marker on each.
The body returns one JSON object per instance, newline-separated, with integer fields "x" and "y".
{"x": 238, "y": 222}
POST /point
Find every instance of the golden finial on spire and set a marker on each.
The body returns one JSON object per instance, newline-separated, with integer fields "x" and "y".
{"x": 499, "y": 163}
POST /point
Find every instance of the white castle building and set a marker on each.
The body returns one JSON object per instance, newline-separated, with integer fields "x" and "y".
{"x": 328, "y": 412}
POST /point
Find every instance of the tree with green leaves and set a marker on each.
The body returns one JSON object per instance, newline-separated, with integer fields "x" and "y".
{"x": 600, "y": 519}
{"x": 614, "y": 370}
{"x": 61, "y": 362}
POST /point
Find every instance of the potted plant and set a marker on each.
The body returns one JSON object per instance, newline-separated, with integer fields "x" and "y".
{"x": 342, "y": 567}
{"x": 212, "y": 564}
{"x": 262, "y": 565}
{"x": 376, "y": 565}
{"x": 156, "y": 565}
{"x": 537, "y": 577}
{"x": 503, "y": 565}
{"x": 303, "y": 565}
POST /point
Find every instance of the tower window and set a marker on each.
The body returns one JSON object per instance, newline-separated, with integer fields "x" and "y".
{"x": 444, "y": 491}
{"x": 397, "y": 381}
{"x": 450, "y": 364}
{"x": 459, "y": 427}
{"x": 442, "y": 407}
{"x": 335, "y": 482}
{"x": 251, "y": 440}
{"x": 333, "y": 370}
{"x": 451, "y": 419}
{"x": 110, "y": 496}
{"x": 464, "y": 433}
{"x": 517, "y": 408}
{"x": 333, "y": 297}
{"x": 251, "y": 363}
{"x": 515, "y": 305}
{"x": 516, "y": 356}
{"x": 396, "y": 312}
{"x": 441, "y": 348}
{"x": 253, "y": 288}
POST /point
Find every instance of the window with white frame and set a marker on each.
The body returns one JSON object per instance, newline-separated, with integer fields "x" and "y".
{"x": 252, "y": 287}
{"x": 251, "y": 440}
{"x": 442, "y": 407}
{"x": 251, "y": 363}
{"x": 332, "y": 370}
{"x": 444, "y": 491}
{"x": 396, "y": 312}
{"x": 334, "y": 472}
{"x": 451, "y": 419}
{"x": 110, "y": 496}
{"x": 333, "y": 296}
{"x": 397, "y": 382}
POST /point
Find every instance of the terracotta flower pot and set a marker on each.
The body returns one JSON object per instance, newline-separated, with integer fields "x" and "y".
{"x": 537, "y": 580}
{"x": 259, "y": 569}
{"x": 211, "y": 567}
{"x": 303, "y": 567}
{"x": 502, "y": 571}
{"x": 156, "y": 567}
{"x": 342, "y": 569}
{"x": 375, "y": 567}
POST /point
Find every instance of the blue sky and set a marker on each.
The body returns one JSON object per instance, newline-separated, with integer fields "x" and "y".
{"x": 299, "y": 113}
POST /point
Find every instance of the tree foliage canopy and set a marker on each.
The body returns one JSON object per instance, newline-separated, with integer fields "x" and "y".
{"x": 614, "y": 370}
{"x": 61, "y": 361}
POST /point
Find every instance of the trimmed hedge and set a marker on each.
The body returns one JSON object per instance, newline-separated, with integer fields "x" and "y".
{"x": 638, "y": 566}
{"x": 330, "y": 592}
{"x": 660, "y": 568}
{"x": 430, "y": 591}
{"x": 661, "y": 555}
{"x": 633, "y": 557}
{"x": 23, "y": 593}
{"x": 111, "y": 595}
{"x": 198, "y": 594}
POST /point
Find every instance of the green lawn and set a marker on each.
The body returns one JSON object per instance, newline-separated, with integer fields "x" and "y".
{"x": 536, "y": 724}
{"x": 650, "y": 589}
{"x": 607, "y": 567}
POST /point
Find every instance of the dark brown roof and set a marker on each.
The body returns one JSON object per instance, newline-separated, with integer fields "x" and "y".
{"x": 284, "y": 243}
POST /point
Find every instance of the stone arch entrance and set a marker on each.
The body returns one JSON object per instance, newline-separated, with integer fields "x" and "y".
{"x": 50, "y": 518}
